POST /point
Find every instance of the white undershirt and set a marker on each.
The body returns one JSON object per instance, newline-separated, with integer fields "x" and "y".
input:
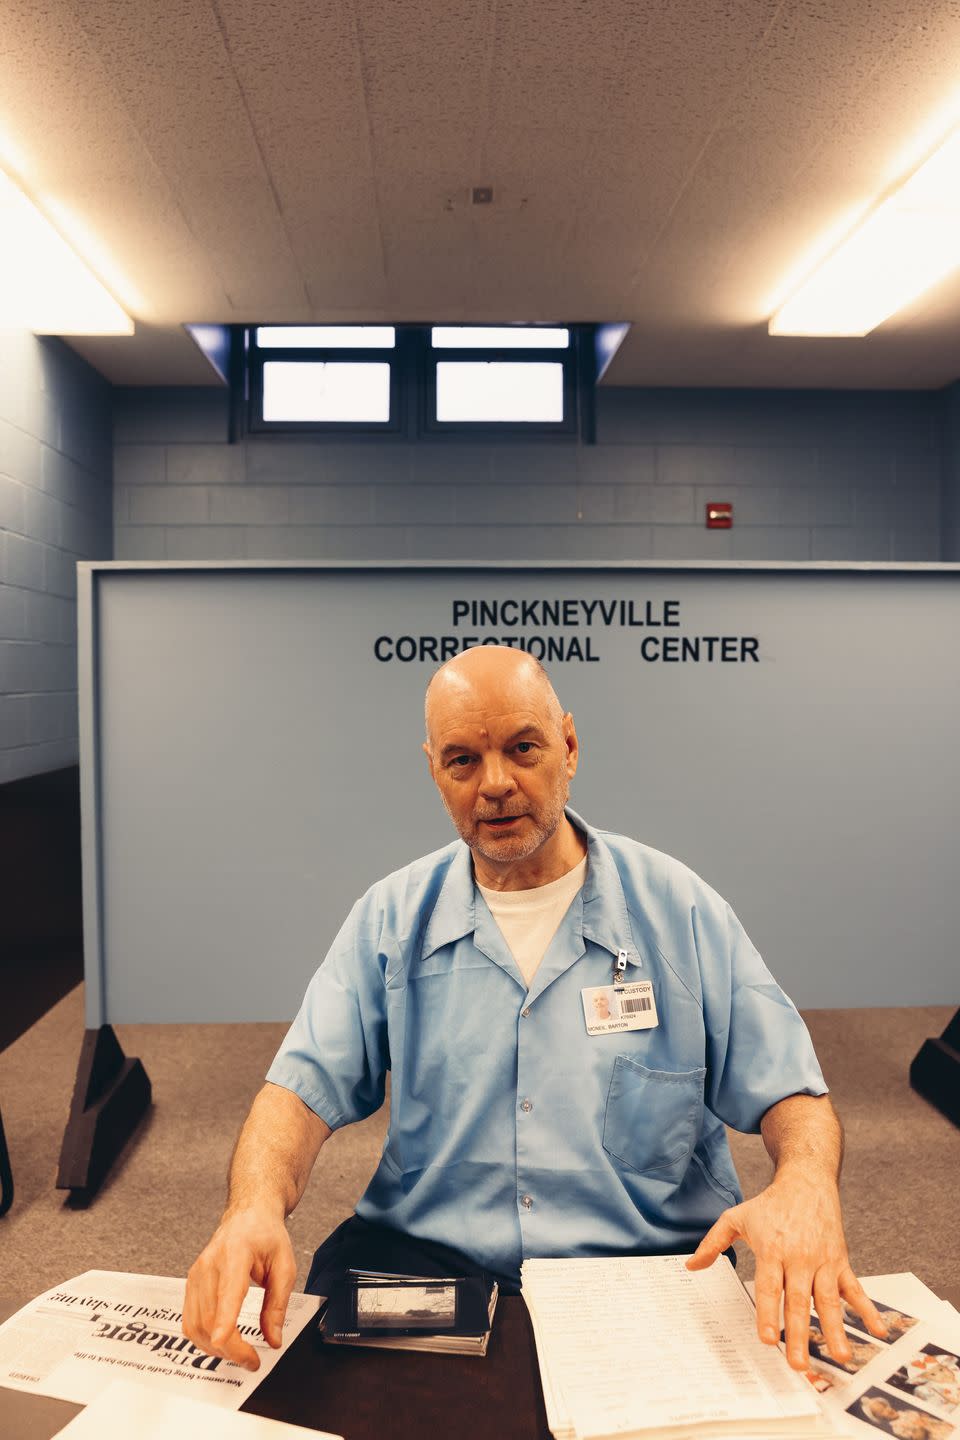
{"x": 529, "y": 919}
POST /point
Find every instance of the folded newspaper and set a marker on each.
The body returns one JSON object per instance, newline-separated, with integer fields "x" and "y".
{"x": 73, "y": 1340}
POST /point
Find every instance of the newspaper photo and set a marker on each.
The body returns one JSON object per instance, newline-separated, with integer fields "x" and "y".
{"x": 73, "y": 1340}
{"x": 906, "y": 1386}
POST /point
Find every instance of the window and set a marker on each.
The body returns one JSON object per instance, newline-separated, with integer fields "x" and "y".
{"x": 313, "y": 377}
{"x": 499, "y": 390}
{"x": 499, "y": 337}
{"x": 497, "y": 378}
{"x": 326, "y": 337}
{"x": 415, "y": 380}
{"x": 326, "y": 390}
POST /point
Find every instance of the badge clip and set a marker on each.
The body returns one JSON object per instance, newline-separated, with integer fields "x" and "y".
{"x": 620, "y": 967}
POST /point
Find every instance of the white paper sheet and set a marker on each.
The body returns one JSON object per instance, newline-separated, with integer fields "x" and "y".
{"x": 911, "y": 1382}
{"x": 75, "y": 1339}
{"x": 127, "y": 1410}
{"x": 643, "y": 1343}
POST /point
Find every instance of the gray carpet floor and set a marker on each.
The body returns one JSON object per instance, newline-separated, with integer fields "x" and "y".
{"x": 901, "y": 1175}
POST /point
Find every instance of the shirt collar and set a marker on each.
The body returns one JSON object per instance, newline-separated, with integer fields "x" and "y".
{"x": 606, "y": 920}
{"x": 454, "y": 914}
{"x": 605, "y": 917}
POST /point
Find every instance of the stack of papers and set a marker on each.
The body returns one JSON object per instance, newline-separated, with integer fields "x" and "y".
{"x": 644, "y": 1347}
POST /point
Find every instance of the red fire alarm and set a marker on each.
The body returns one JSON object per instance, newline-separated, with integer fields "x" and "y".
{"x": 719, "y": 515}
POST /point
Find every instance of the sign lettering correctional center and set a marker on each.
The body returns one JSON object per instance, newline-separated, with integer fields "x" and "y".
{"x": 526, "y": 625}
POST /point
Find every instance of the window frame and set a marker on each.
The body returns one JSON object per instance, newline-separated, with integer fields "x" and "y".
{"x": 413, "y": 389}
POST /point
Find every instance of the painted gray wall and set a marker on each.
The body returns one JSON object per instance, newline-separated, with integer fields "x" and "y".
{"x": 812, "y": 476}
{"x": 55, "y": 509}
{"x": 260, "y": 767}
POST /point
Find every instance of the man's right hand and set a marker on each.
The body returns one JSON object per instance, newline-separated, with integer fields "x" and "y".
{"x": 250, "y": 1246}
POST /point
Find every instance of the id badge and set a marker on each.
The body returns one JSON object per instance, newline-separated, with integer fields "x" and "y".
{"x": 611, "y": 1009}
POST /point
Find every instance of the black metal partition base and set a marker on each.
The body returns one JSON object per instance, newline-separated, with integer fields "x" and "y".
{"x": 935, "y": 1072}
{"x": 111, "y": 1096}
{"x": 6, "y": 1174}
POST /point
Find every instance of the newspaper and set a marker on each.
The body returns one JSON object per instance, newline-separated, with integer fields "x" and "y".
{"x": 128, "y": 1408}
{"x": 73, "y": 1340}
{"x": 907, "y": 1386}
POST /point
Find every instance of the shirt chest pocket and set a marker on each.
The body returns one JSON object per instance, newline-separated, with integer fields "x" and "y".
{"x": 652, "y": 1117}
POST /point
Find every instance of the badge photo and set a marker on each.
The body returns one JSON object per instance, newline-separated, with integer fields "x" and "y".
{"x": 610, "y": 1009}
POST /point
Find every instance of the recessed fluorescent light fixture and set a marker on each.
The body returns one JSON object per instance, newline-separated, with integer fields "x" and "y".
{"x": 82, "y": 240}
{"x": 44, "y": 285}
{"x": 908, "y": 243}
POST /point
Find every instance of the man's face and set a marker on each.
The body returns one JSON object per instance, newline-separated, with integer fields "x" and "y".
{"x": 911, "y": 1426}
{"x": 881, "y": 1409}
{"x": 502, "y": 759}
{"x": 938, "y": 1373}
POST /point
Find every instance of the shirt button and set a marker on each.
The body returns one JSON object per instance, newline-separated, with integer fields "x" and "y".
{"x": 525, "y": 1011}
{"x": 526, "y": 1201}
{"x": 526, "y": 1106}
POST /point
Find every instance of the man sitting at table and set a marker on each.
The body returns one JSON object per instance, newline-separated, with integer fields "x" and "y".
{"x": 520, "y": 1123}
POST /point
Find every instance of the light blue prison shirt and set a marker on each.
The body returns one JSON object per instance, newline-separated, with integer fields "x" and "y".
{"x": 514, "y": 1133}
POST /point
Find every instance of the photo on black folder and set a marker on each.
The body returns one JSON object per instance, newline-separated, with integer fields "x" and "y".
{"x": 430, "y": 1306}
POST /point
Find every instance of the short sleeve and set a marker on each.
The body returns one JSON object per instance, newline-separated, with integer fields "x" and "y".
{"x": 335, "y": 1055}
{"x": 759, "y": 1050}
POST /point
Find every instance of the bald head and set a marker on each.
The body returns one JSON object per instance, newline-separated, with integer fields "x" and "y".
{"x": 502, "y": 754}
{"x": 492, "y": 676}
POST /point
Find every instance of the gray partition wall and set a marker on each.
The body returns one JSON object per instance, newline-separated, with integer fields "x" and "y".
{"x": 250, "y": 759}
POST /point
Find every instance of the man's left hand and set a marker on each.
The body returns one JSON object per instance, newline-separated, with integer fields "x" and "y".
{"x": 795, "y": 1230}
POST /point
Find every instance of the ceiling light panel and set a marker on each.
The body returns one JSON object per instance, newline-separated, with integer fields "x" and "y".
{"x": 909, "y": 243}
{"x": 44, "y": 285}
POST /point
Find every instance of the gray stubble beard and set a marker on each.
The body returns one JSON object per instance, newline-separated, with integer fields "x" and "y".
{"x": 542, "y": 833}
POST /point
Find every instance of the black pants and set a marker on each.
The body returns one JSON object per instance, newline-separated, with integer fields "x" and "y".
{"x": 356, "y": 1244}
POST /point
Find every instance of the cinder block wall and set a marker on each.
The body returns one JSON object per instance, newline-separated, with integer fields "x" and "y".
{"x": 812, "y": 476}
{"x": 55, "y": 509}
